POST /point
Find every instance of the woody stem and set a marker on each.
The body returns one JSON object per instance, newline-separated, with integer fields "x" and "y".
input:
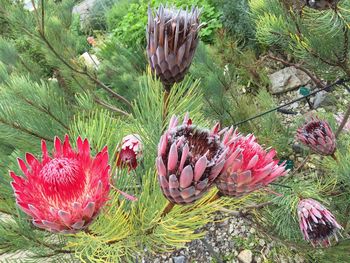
{"x": 344, "y": 121}
{"x": 165, "y": 106}
{"x": 167, "y": 209}
{"x": 215, "y": 197}
{"x": 334, "y": 157}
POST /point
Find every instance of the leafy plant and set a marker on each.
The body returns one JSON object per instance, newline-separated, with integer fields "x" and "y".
{"x": 236, "y": 20}
{"x": 129, "y": 27}
{"x": 318, "y": 38}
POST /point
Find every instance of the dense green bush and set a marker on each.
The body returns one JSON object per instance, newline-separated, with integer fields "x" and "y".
{"x": 128, "y": 21}
{"x": 97, "y": 17}
{"x": 236, "y": 20}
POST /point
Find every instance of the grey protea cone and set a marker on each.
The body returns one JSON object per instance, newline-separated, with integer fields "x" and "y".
{"x": 172, "y": 39}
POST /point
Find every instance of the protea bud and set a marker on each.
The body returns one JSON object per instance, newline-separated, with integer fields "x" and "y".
{"x": 172, "y": 39}
{"x": 252, "y": 168}
{"x": 317, "y": 224}
{"x": 318, "y": 135}
{"x": 65, "y": 192}
{"x": 131, "y": 150}
{"x": 189, "y": 159}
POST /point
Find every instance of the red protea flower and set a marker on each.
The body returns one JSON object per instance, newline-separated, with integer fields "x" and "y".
{"x": 65, "y": 192}
{"x": 318, "y": 135}
{"x": 189, "y": 160}
{"x": 253, "y": 168}
{"x": 317, "y": 224}
{"x": 131, "y": 150}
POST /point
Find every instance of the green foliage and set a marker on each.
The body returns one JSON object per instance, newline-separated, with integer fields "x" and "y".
{"x": 129, "y": 26}
{"x": 282, "y": 217}
{"x": 236, "y": 20}
{"x": 318, "y": 38}
{"x": 122, "y": 68}
{"x": 229, "y": 102}
{"x": 97, "y": 19}
{"x": 125, "y": 229}
{"x": 31, "y": 111}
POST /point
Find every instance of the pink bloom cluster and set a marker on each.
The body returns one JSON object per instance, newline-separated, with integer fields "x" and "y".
{"x": 191, "y": 159}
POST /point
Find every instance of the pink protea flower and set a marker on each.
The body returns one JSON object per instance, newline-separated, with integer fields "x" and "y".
{"x": 189, "y": 159}
{"x": 252, "y": 169}
{"x": 131, "y": 150}
{"x": 317, "y": 224}
{"x": 65, "y": 192}
{"x": 318, "y": 135}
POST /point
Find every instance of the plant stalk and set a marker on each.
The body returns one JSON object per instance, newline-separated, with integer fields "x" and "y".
{"x": 343, "y": 122}
{"x": 167, "y": 209}
{"x": 165, "y": 107}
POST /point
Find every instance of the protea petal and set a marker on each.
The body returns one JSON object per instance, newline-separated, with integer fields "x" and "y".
{"x": 318, "y": 135}
{"x": 172, "y": 38}
{"x": 248, "y": 167}
{"x": 317, "y": 224}
{"x": 129, "y": 151}
{"x": 192, "y": 161}
{"x": 54, "y": 189}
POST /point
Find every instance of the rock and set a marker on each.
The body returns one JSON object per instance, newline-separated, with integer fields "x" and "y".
{"x": 28, "y": 5}
{"x": 322, "y": 99}
{"x": 298, "y": 259}
{"x": 245, "y": 256}
{"x": 83, "y": 10}
{"x": 294, "y": 105}
{"x": 287, "y": 79}
{"x": 90, "y": 60}
{"x": 262, "y": 242}
{"x": 297, "y": 148}
{"x": 231, "y": 228}
{"x": 252, "y": 230}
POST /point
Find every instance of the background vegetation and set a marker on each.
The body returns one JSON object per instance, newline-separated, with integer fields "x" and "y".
{"x": 46, "y": 89}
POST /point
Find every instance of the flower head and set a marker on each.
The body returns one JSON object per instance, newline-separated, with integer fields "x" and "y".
{"x": 131, "y": 150}
{"x": 172, "y": 39}
{"x": 252, "y": 168}
{"x": 317, "y": 224}
{"x": 91, "y": 40}
{"x": 318, "y": 135}
{"x": 189, "y": 159}
{"x": 65, "y": 192}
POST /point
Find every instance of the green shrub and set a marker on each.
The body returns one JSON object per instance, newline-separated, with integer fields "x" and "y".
{"x": 236, "y": 20}
{"x": 128, "y": 21}
{"x": 97, "y": 17}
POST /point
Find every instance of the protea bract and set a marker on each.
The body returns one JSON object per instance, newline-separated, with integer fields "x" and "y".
{"x": 189, "y": 159}
{"x": 131, "y": 150}
{"x": 65, "y": 192}
{"x": 317, "y": 224}
{"x": 318, "y": 135}
{"x": 172, "y": 39}
{"x": 253, "y": 168}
